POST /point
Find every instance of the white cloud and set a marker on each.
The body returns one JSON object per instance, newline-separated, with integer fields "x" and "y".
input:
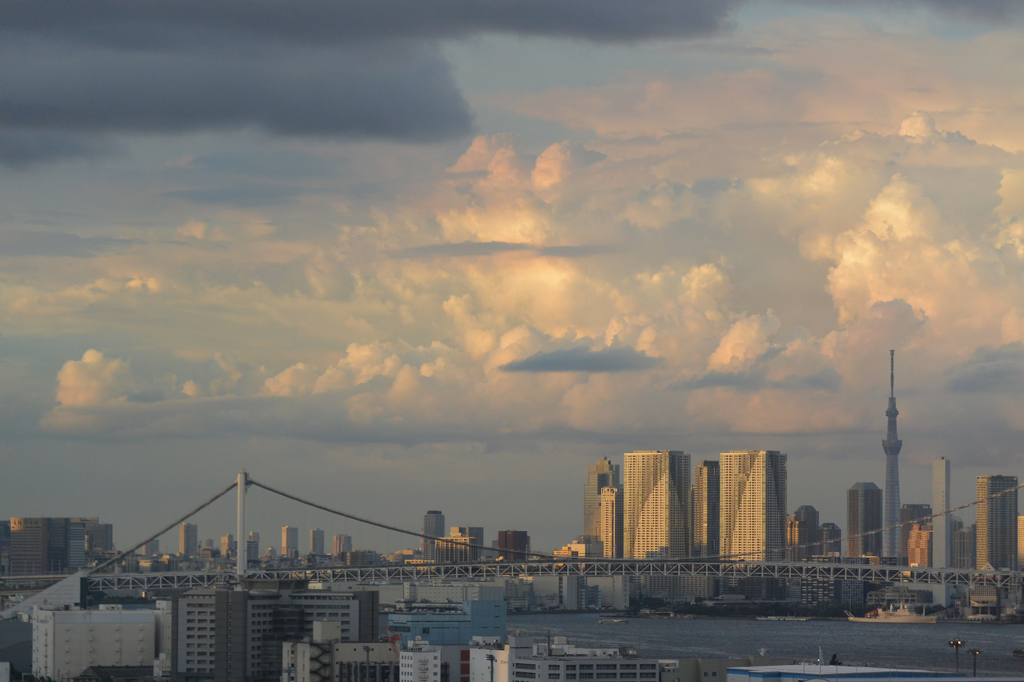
{"x": 93, "y": 380}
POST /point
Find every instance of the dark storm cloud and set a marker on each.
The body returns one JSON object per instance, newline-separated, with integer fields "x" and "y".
{"x": 18, "y": 243}
{"x": 472, "y": 249}
{"x": 126, "y": 23}
{"x": 584, "y": 360}
{"x": 990, "y": 370}
{"x": 826, "y": 380}
{"x": 21, "y": 148}
{"x": 383, "y": 91}
{"x": 241, "y": 196}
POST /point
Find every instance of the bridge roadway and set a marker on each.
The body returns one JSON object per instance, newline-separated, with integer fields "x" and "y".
{"x": 580, "y": 567}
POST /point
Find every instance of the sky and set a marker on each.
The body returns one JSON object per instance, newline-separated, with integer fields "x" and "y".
{"x": 442, "y": 254}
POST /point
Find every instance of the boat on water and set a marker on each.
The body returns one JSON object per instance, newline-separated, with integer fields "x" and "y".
{"x": 616, "y": 621}
{"x": 796, "y": 618}
{"x": 900, "y": 615}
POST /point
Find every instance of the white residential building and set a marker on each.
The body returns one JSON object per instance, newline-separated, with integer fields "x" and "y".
{"x": 65, "y": 643}
{"x": 421, "y": 663}
{"x": 656, "y": 505}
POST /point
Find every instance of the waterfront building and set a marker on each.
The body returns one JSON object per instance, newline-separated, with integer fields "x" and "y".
{"x": 290, "y": 542}
{"x": 316, "y": 541}
{"x": 433, "y": 525}
{"x": 863, "y": 515}
{"x": 942, "y": 531}
{"x": 833, "y": 673}
{"x": 909, "y": 514}
{"x": 753, "y": 505}
{"x": 706, "y": 509}
{"x": 457, "y": 624}
{"x": 611, "y": 521}
{"x": 599, "y": 476}
{"x": 188, "y": 540}
{"x": 997, "y": 522}
{"x": 892, "y": 446}
{"x": 656, "y": 506}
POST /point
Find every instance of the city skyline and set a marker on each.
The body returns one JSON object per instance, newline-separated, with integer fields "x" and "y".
{"x": 491, "y": 250}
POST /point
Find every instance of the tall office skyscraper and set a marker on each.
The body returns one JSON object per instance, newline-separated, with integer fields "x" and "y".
{"x": 863, "y": 515}
{"x": 600, "y": 475}
{"x": 803, "y": 534}
{"x": 188, "y": 540}
{"x": 252, "y": 548}
{"x": 831, "y": 539}
{"x": 316, "y": 542}
{"x": 892, "y": 445}
{"x": 909, "y": 513}
{"x": 227, "y": 545}
{"x": 753, "y": 505}
{"x": 706, "y": 508}
{"x": 656, "y": 504}
{"x": 942, "y": 536}
{"x": 151, "y": 548}
{"x": 611, "y": 521}
{"x": 342, "y": 544}
{"x": 997, "y": 522}
{"x": 433, "y": 525}
{"x": 290, "y": 542}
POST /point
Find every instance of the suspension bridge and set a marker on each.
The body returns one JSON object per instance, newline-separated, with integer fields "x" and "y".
{"x": 107, "y": 576}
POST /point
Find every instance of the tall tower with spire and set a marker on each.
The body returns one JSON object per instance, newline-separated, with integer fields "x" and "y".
{"x": 892, "y": 446}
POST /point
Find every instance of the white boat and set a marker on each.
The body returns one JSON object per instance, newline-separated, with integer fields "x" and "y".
{"x": 900, "y": 615}
{"x": 617, "y": 621}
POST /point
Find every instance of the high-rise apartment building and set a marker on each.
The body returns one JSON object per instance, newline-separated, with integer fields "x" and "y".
{"x": 863, "y": 520}
{"x": 514, "y": 545}
{"x": 706, "y": 508}
{"x": 802, "y": 534}
{"x": 919, "y": 545}
{"x": 942, "y": 532}
{"x": 611, "y": 521}
{"x": 316, "y": 542}
{"x": 290, "y": 542}
{"x": 151, "y": 548}
{"x": 753, "y": 505}
{"x": 600, "y": 475}
{"x": 188, "y": 540}
{"x": 433, "y": 525}
{"x": 909, "y": 513}
{"x": 656, "y": 504}
{"x": 342, "y": 544}
{"x": 227, "y": 545}
{"x": 252, "y": 548}
{"x": 997, "y": 522}
{"x": 892, "y": 446}
{"x": 1020, "y": 541}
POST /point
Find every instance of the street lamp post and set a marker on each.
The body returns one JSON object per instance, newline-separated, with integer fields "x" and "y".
{"x": 490, "y": 659}
{"x": 975, "y": 653}
{"x": 956, "y": 644}
{"x": 367, "y": 650}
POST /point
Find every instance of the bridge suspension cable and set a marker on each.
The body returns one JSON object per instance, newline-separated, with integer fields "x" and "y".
{"x": 385, "y": 526}
{"x": 169, "y": 527}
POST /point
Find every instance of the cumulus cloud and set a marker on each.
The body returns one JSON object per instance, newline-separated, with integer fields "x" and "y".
{"x": 93, "y": 380}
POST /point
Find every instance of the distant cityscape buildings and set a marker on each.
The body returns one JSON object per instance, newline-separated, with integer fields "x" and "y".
{"x": 290, "y": 542}
{"x": 433, "y": 525}
{"x": 942, "y": 531}
{"x": 188, "y": 540}
{"x": 599, "y": 476}
{"x": 706, "y": 509}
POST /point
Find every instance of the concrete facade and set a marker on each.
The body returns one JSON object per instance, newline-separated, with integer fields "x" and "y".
{"x": 65, "y": 643}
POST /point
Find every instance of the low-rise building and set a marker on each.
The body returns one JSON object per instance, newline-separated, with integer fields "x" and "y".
{"x": 66, "y": 643}
{"x": 455, "y": 625}
{"x": 847, "y": 673}
{"x": 562, "y": 662}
